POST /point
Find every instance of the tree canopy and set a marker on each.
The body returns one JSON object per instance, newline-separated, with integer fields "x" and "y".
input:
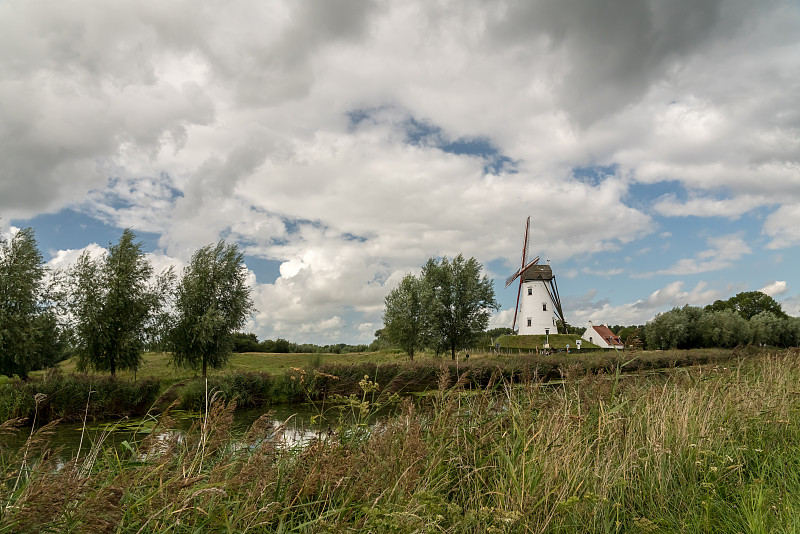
{"x": 212, "y": 303}
{"x": 404, "y": 315}
{"x": 446, "y": 308}
{"x": 748, "y": 304}
{"x": 459, "y": 301}
{"x": 114, "y": 304}
{"x": 726, "y": 323}
{"x": 30, "y": 336}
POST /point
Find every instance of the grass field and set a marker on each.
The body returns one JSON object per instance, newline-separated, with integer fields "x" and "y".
{"x": 157, "y": 364}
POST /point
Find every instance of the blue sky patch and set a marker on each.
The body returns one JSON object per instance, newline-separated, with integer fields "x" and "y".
{"x": 642, "y": 196}
{"x": 424, "y": 133}
{"x": 594, "y": 175}
{"x": 266, "y": 271}
{"x": 70, "y": 229}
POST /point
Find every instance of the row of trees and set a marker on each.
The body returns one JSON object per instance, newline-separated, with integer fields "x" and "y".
{"x": 750, "y": 317}
{"x": 108, "y": 310}
{"x": 446, "y": 308}
{"x": 249, "y": 343}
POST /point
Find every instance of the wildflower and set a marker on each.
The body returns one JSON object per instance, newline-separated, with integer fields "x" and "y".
{"x": 368, "y": 385}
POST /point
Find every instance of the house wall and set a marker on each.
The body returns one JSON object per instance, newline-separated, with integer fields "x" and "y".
{"x": 592, "y": 336}
{"x": 531, "y": 308}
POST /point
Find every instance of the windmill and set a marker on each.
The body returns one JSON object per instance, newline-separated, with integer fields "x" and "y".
{"x": 539, "y": 303}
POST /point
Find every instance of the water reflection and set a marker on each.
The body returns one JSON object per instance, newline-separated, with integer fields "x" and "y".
{"x": 293, "y": 425}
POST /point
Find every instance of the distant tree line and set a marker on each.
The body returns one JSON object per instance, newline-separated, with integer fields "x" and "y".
{"x": 750, "y": 317}
{"x": 249, "y": 343}
{"x": 108, "y": 310}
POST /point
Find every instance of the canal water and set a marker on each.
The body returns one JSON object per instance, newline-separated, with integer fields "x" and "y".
{"x": 296, "y": 423}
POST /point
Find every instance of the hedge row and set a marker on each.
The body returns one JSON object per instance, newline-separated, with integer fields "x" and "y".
{"x": 70, "y": 397}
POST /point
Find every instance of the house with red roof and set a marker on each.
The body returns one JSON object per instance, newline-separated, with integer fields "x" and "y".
{"x": 602, "y": 336}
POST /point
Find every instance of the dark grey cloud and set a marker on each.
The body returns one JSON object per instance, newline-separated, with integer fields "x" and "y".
{"x": 612, "y": 51}
{"x": 80, "y": 91}
{"x": 274, "y": 65}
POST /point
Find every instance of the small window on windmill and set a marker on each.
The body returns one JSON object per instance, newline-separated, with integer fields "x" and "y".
{"x": 529, "y": 321}
{"x": 530, "y": 291}
{"x": 544, "y": 306}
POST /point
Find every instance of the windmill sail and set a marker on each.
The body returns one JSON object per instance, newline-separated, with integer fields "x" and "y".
{"x": 525, "y": 247}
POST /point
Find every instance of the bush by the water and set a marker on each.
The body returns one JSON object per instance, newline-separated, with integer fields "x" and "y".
{"x": 65, "y": 396}
{"x": 249, "y": 390}
{"x": 72, "y": 396}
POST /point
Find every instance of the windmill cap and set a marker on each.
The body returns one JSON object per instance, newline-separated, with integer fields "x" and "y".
{"x": 538, "y": 272}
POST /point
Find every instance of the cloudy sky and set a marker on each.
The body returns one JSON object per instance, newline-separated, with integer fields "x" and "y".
{"x": 655, "y": 145}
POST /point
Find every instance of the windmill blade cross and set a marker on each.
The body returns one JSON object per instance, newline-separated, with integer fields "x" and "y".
{"x": 516, "y": 307}
{"x": 527, "y": 241}
{"x": 525, "y": 246}
{"x": 533, "y": 262}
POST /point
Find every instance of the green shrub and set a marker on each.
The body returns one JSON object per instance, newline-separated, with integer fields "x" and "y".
{"x": 247, "y": 388}
{"x": 65, "y": 396}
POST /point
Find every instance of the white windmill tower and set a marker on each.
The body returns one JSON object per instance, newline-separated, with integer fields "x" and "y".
{"x": 538, "y": 304}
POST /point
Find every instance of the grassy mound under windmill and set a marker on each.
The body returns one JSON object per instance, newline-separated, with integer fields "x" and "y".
{"x": 532, "y": 342}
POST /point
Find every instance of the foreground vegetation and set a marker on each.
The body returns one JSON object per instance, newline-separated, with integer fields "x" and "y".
{"x": 709, "y": 448}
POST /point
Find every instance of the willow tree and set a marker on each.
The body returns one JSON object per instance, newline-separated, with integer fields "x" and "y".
{"x": 458, "y": 302}
{"x": 212, "y": 303}
{"x": 114, "y": 302}
{"x": 30, "y": 336}
{"x": 404, "y": 316}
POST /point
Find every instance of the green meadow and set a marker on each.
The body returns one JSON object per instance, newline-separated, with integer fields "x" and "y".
{"x": 156, "y": 364}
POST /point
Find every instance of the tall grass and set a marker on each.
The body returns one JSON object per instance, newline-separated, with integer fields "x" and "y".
{"x": 709, "y": 448}
{"x": 64, "y": 396}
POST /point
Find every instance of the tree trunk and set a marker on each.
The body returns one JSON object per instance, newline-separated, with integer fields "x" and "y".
{"x": 205, "y": 366}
